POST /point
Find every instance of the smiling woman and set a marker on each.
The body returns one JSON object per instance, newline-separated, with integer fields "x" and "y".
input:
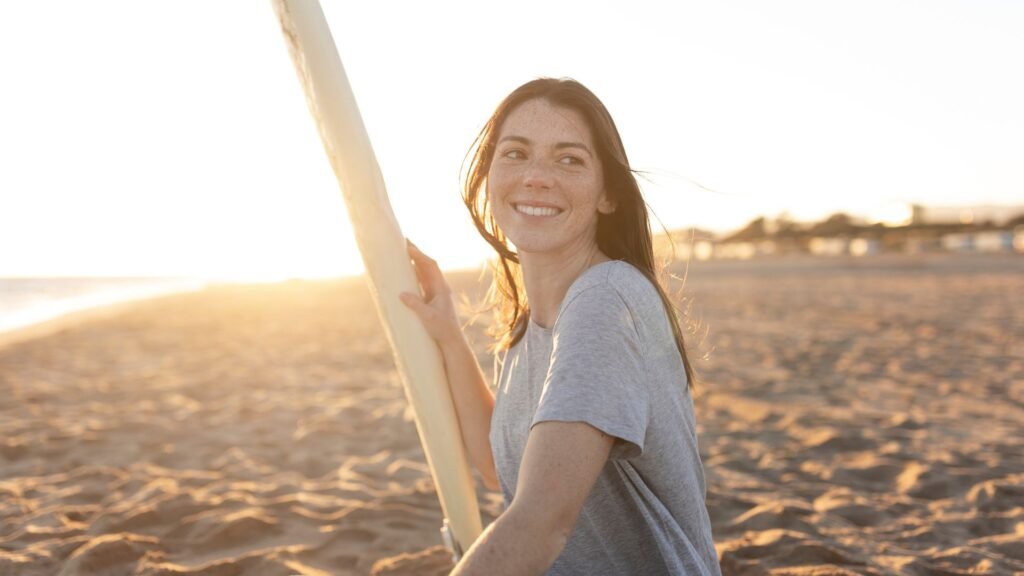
{"x": 590, "y": 433}
{"x": 535, "y": 214}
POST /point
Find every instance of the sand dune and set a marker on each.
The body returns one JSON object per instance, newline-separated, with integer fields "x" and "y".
{"x": 856, "y": 417}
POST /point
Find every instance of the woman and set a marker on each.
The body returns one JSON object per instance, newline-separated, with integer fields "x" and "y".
{"x": 591, "y": 435}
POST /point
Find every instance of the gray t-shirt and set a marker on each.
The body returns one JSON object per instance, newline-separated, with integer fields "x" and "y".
{"x": 610, "y": 360}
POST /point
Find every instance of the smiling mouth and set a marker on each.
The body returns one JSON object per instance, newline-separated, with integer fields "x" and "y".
{"x": 536, "y": 210}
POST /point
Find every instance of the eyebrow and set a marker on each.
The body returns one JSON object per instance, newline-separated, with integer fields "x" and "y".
{"x": 558, "y": 146}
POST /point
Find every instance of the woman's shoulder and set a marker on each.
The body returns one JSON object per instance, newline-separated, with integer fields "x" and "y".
{"x": 621, "y": 277}
{"x": 609, "y": 286}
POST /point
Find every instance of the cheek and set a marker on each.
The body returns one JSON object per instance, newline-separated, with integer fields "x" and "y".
{"x": 499, "y": 179}
{"x": 494, "y": 193}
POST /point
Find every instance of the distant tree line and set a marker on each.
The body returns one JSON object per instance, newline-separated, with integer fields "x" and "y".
{"x": 842, "y": 224}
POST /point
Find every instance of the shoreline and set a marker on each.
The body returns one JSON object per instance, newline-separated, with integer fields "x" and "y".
{"x": 797, "y": 263}
{"x": 71, "y": 320}
{"x": 77, "y": 317}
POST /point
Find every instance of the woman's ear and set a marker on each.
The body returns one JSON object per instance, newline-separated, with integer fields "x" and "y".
{"x": 606, "y": 205}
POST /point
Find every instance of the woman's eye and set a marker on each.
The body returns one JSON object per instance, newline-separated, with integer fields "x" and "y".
{"x": 571, "y": 161}
{"x": 514, "y": 154}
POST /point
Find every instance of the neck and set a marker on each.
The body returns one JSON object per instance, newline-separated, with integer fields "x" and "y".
{"x": 547, "y": 278}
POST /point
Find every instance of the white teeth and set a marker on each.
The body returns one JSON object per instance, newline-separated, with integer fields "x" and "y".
{"x": 536, "y": 210}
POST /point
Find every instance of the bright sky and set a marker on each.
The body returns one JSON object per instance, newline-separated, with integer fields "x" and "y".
{"x": 172, "y": 138}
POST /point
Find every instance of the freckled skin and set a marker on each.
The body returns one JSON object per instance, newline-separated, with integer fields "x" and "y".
{"x": 539, "y": 171}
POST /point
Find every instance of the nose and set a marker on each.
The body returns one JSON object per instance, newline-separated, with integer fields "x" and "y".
{"x": 537, "y": 175}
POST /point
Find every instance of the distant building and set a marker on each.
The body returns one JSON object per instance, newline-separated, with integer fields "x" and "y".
{"x": 736, "y": 250}
{"x": 994, "y": 241}
{"x": 701, "y": 250}
{"x": 922, "y": 244}
{"x": 960, "y": 242}
{"x": 865, "y": 246}
{"x": 765, "y": 248}
{"x": 825, "y": 246}
{"x": 685, "y": 244}
{"x": 998, "y": 215}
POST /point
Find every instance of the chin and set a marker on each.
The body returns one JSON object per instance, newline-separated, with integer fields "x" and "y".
{"x": 530, "y": 245}
{"x": 534, "y": 245}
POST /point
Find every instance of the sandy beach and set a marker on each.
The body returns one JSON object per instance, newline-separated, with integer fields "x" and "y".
{"x": 857, "y": 416}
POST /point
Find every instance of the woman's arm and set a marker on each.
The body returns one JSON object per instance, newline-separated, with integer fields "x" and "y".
{"x": 473, "y": 401}
{"x": 474, "y": 404}
{"x": 561, "y": 463}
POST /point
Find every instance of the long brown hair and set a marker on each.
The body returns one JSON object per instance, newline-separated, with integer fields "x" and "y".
{"x": 623, "y": 235}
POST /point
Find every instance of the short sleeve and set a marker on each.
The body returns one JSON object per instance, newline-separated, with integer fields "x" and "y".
{"x": 597, "y": 373}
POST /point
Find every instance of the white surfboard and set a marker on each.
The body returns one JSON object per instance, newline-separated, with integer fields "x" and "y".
{"x": 387, "y": 263}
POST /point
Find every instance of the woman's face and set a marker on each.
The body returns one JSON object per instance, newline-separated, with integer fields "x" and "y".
{"x": 545, "y": 184}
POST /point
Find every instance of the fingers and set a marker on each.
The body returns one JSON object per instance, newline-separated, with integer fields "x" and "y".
{"x": 438, "y": 325}
{"x": 418, "y": 254}
{"x": 414, "y": 302}
{"x": 427, "y": 314}
{"x": 421, "y": 265}
{"x": 427, "y": 271}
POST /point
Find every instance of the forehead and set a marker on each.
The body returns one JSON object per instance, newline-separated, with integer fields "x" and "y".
{"x": 540, "y": 120}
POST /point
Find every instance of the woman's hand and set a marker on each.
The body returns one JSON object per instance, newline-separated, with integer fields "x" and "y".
{"x": 436, "y": 308}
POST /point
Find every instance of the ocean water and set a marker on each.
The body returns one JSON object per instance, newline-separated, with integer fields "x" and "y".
{"x": 28, "y": 301}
